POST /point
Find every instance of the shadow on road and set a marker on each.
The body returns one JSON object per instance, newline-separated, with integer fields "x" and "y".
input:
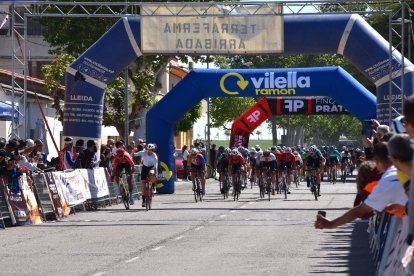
{"x": 345, "y": 251}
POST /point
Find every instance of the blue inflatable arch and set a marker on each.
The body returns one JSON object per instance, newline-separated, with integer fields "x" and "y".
{"x": 348, "y": 35}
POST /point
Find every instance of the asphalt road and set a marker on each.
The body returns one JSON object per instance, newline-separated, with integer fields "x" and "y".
{"x": 181, "y": 237}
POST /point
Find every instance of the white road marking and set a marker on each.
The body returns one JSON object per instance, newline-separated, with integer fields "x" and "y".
{"x": 244, "y": 206}
{"x": 199, "y": 228}
{"x": 157, "y": 248}
{"x": 233, "y": 211}
{"x": 99, "y": 273}
{"x": 251, "y": 202}
{"x": 179, "y": 238}
{"x": 211, "y": 221}
{"x": 131, "y": 260}
{"x": 223, "y": 216}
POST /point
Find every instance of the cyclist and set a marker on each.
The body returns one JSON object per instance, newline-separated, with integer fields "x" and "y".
{"x": 315, "y": 160}
{"x": 219, "y": 152}
{"x": 299, "y": 163}
{"x": 149, "y": 166}
{"x": 223, "y": 163}
{"x": 252, "y": 160}
{"x": 268, "y": 160}
{"x": 198, "y": 165}
{"x": 123, "y": 161}
{"x": 333, "y": 160}
{"x": 287, "y": 160}
{"x": 236, "y": 163}
{"x": 346, "y": 161}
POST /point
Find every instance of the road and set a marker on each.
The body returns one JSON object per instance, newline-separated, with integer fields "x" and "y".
{"x": 181, "y": 237}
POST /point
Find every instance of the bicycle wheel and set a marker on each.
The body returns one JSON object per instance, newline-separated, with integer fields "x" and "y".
{"x": 124, "y": 194}
{"x": 285, "y": 186}
{"x": 315, "y": 188}
{"x": 195, "y": 191}
{"x": 261, "y": 191}
{"x": 199, "y": 191}
{"x": 269, "y": 189}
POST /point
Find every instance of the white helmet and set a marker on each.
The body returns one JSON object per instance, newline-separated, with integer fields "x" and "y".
{"x": 193, "y": 151}
{"x": 296, "y": 153}
{"x": 398, "y": 125}
{"x": 234, "y": 151}
{"x": 227, "y": 151}
{"x": 312, "y": 149}
{"x": 288, "y": 150}
{"x": 151, "y": 146}
{"x": 252, "y": 150}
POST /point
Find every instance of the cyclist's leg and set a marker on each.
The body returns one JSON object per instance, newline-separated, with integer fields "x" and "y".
{"x": 203, "y": 181}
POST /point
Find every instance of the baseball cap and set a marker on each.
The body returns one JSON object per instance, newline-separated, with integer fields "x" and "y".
{"x": 68, "y": 140}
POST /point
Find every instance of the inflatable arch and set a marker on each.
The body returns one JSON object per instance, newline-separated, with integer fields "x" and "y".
{"x": 348, "y": 35}
{"x": 202, "y": 83}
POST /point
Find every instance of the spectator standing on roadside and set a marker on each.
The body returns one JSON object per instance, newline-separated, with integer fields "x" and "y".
{"x": 213, "y": 155}
{"x": 67, "y": 158}
{"x": 185, "y": 153}
{"x": 105, "y": 159}
{"x": 90, "y": 159}
{"x": 140, "y": 147}
{"x": 79, "y": 149}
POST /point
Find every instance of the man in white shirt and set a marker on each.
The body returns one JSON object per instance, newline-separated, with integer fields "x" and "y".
{"x": 388, "y": 190}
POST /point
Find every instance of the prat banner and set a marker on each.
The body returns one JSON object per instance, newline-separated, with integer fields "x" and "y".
{"x": 305, "y": 106}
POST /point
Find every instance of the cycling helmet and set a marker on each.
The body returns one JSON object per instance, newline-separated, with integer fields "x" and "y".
{"x": 235, "y": 151}
{"x": 203, "y": 150}
{"x": 358, "y": 150}
{"x": 193, "y": 151}
{"x": 344, "y": 148}
{"x": 273, "y": 149}
{"x": 296, "y": 153}
{"x": 331, "y": 148}
{"x": 120, "y": 151}
{"x": 266, "y": 152}
{"x": 398, "y": 125}
{"x": 240, "y": 149}
{"x": 312, "y": 149}
{"x": 252, "y": 150}
{"x": 288, "y": 150}
{"x": 279, "y": 148}
{"x": 227, "y": 151}
{"x": 221, "y": 149}
{"x": 151, "y": 147}
{"x": 257, "y": 148}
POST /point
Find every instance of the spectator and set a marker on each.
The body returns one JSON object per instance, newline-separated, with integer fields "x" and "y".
{"x": 185, "y": 153}
{"x": 110, "y": 143}
{"x": 213, "y": 155}
{"x": 90, "y": 159}
{"x": 79, "y": 148}
{"x": 388, "y": 190}
{"x": 401, "y": 152}
{"x": 367, "y": 178}
{"x": 118, "y": 144}
{"x": 105, "y": 159}
{"x": 67, "y": 157}
{"x": 140, "y": 147}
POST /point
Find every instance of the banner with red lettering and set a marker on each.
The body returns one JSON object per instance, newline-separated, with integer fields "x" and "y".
{"x": 60, "y": 188}
{"x": 76, "y": 189}
{"x": 54, "y": 195}
{"x": 16, "y": 203}
{"x": 96, "y": 180}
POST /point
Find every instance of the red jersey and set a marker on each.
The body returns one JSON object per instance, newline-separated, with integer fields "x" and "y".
{"x": 238, "y": 159}
{"x": 126, "y": 159}
{"x": 288, "y": 158}
{"x": 278, "y": 155}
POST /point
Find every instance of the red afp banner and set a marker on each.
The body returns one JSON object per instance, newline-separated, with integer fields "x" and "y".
{"x": 248, "y": 122}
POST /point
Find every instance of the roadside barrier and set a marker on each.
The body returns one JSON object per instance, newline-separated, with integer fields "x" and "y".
{"x": 44, "y": 196}
{"x": 387, "y": 242}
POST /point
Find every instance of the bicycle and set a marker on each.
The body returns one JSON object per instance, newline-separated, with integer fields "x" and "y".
{"x": 149, "y": 192}
{"x": 198, "y": 192}
{"x": 237, "y": 186}
{"x": 225, "y": 185}
{"x": 313, "y": 184}
{"x": 124, "y": 191}
{"x": 283, "y": 185}
{"x": 296, "y": 178}
{"x": 269, "y": 187}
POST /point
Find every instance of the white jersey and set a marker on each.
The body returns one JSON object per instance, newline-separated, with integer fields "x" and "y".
{"x": 149, "y": 160}
{"x": 269, "y": 158}
{"x": 299, "y": 158}
{"x": 185, "y": 155}
{"x": 346, "y": 155}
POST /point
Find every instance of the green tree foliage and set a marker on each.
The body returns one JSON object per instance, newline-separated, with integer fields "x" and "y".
{"x": 226, "y": 110}
{"x": 187, "y": 121}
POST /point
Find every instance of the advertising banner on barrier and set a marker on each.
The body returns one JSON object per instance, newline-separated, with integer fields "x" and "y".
{"x": 54, "y": 195}
{"x": 19, "y": 213}
{"x": 60, "y": 188}
{"x": 77, "y": 188}
{"x": 217, "y": 30}
{"x": 96, "y": 179}
{"x": 30, "y": 198}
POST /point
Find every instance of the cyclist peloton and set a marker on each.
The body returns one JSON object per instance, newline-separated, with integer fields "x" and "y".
{"x": 123, "y": 161}
{"x": 197, "y": 162}
{"x": 315, "y": 160}
{"x": 287, "y": 160}
{"x": 149, "y": 166}
{"x": 236, "y": 163}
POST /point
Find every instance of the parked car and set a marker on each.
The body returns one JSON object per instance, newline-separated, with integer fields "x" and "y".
{"x": 179, "y": 167}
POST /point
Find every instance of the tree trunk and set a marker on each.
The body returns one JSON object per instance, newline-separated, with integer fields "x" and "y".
{"x": 274, "y": 130}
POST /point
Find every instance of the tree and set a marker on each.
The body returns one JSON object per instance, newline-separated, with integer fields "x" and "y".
{"x": 225, "y": 110}
{"x": 258, "y": 133}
